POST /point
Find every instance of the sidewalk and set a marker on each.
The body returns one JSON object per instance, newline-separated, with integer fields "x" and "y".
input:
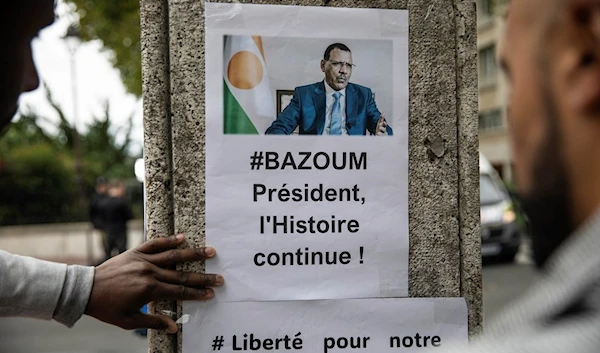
{"x": 73, "y": 243}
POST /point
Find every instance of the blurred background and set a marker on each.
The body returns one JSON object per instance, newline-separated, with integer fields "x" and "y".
{"x": 84, "y": 125}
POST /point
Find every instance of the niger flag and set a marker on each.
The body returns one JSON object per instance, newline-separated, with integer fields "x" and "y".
{"x": 248, "y": 102}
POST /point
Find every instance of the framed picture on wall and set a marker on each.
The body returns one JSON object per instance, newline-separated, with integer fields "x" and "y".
{"x": 284, "y": 96}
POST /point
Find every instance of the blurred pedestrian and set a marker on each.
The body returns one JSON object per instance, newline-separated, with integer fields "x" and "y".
{"x": 96, "y": 211}
{"x": 115, "y": 291}
{"x": 116, "y": 214}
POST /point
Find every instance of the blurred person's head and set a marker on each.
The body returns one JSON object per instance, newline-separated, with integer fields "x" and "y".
{"x": 20, "y": 22}
{"x": 551, "y": 55}
{"x": 101, "y": 186}
{"x": 116, "y": 188}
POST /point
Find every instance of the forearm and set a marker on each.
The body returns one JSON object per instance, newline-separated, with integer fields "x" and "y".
{"x": 287, "y": 121}
{"x": 41, "y": 289}
{"x": 283, "y": 125}
{"x": 277, "y": 129}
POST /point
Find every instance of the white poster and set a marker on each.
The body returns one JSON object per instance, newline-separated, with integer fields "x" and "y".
{"x": 307, "y": 151}
{"x": 327, "y": 326}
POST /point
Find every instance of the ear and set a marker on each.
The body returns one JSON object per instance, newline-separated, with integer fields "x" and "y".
{"x": 583, "y": 70}
{"x": 323, "y": 65}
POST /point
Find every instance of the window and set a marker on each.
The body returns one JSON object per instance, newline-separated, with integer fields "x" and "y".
{"x": 487, "y": 66}
{"x": 486, "y": 8}
{"x": 490, "y": 121}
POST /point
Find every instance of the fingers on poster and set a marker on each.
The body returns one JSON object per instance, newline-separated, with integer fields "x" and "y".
{"x": 321, "y": 214}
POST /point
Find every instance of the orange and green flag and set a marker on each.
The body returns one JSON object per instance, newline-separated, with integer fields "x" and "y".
{"x": 248, "y": 102}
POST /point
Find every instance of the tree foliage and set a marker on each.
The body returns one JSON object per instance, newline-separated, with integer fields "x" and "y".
{"x": 36, "y": 178}
{"x": 32, "y": 173}
{"x": 103, "y": 154}
{"x": 117, "y": 24}
{"x": 37, "y": 168}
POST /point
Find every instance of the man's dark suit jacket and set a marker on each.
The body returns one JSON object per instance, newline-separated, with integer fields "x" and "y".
{"x": 307, "y": 110}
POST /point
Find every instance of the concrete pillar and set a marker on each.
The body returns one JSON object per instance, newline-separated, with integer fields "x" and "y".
{"x": 445, "y": 258}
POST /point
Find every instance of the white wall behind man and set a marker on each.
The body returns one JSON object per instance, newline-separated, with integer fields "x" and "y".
{"x": 293, "y": 62}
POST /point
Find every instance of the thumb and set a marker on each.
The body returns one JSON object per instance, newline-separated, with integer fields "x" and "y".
{"x": 156, "y": 322}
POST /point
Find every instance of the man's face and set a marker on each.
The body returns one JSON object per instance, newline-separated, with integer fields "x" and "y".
{"x": 117, "y": 191}
{"x": 533, "y": 122}
{"x": 527, "y": 122}
{"x": 337, "y": 69}
{"x": 544, "y": 56}
{"x": 102, "y": 189}
{"x": 21, "y": 23}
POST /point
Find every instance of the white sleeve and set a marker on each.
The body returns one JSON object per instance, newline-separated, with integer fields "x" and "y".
{"x": 45, "y": 290}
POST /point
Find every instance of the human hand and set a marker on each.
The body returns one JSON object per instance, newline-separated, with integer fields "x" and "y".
{"x": 125, "y": 283}
{"x": 381, "y": 129}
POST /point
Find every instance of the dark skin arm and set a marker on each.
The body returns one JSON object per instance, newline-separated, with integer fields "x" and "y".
{"x": 125, "y": 283}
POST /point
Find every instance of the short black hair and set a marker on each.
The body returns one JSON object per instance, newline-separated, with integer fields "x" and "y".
{"x": 339, "y": 46}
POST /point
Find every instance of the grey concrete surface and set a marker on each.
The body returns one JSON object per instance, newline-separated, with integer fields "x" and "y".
{"x": 186, "y": 35}
{"x": 465, "y": 17}
{"x": 156, "y": 88}
{"x": 503, "y": 283}
{"x": 19, "y": 335}
{"x": 63, "y": 242}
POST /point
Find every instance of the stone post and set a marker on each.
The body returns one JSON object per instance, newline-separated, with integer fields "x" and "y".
{"x": 444, "y": 256}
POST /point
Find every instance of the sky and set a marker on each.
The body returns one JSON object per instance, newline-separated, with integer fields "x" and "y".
{"x": 96, "y": 80}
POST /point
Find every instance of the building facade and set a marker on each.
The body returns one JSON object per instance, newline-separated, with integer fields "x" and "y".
{"x": 493, "y": 132}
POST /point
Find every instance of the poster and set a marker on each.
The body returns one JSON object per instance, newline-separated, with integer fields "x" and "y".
{"x": 327, "y": 326}
{"x": 307, "y": 151}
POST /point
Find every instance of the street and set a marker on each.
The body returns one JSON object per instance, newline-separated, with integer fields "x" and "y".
{"x": 89, "y": 335}
{"x": 501, "y": 284}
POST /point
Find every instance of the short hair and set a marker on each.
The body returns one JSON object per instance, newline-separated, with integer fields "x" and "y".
{"x": 339, "y": 46}
{"x": 116, "y": 183}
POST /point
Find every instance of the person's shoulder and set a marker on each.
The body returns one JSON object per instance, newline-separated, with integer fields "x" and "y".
{"x": 111, "y": 200}
{"x": 97, "y": 199}
{"x": 359, "y": 87}
{"x": 309, "y": 87}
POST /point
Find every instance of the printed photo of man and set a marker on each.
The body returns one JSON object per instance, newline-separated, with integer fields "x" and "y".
{"x": 333, "y": 106}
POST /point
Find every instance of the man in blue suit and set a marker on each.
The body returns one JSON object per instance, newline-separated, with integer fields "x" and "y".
{"x": 333, "y": 106}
